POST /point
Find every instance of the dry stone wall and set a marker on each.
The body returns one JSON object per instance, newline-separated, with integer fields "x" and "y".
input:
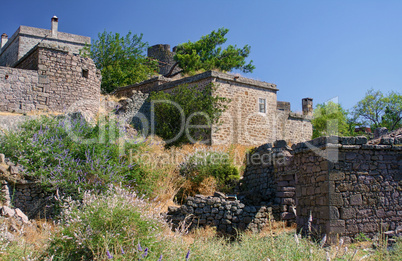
{"x": 226, "y": 214}
{"x": 26, "y": 195}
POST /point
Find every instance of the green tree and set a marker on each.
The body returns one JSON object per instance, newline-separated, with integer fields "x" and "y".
{"x": 370, "y": 109}
{"x": 392, "y": 118}
{"x": 376, "y": 110}
{"x": 330, "y": 119}
{"x": 195, "y": 107}
{"x": 121, "y": 60}
{"x": 206, "y": 54}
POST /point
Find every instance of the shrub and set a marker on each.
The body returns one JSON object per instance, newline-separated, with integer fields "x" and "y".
{"x": 202, "y": 106}
{"x": 203, "y": 164}
{"x": 116, "y": 223}
{"x": 49, "y": 153}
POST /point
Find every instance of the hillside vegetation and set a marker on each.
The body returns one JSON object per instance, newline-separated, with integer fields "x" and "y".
{"x": 112, "y": 194}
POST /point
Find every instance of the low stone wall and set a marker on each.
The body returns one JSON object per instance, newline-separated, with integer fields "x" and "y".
{"x": 226, "y": 215}
{"x": 24, "y": 194}
{"x": 28, "y": 196}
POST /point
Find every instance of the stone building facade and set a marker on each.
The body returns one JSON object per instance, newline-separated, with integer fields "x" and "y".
{"x": 25, "y": 38}
{"x": 254, "y": 116}
{"x": 47, "y": 75}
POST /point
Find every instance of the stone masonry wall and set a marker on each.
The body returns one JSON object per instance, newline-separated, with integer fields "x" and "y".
{"x": 354, "y": 189}
{"x": 16, "y": 87}
{"x": 24, "y": 194}
{"x": 26, "y": 38}
{"x": 269, "y": 179}
{"x": 63, "y": 82}
{"x": 339, "y": 186}
{"x": 242, "y": 123}
{"x": 226, "y": 215}
{"x": 9, "y": 53}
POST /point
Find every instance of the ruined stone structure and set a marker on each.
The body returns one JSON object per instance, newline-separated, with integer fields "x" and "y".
{"x": 340, "y": 186}
{"x": 40, "y": 70}
{"x": 334, "y": 186}
{"x": 254, "y": 116}
{"x": 26, "y": 195}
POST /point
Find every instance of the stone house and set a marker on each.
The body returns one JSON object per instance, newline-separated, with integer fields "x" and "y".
{"x": 254, "y": 115}
{"x": 41, "y": 70}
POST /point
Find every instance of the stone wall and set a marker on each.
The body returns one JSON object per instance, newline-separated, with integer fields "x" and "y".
{"x": 355, "y": 188}
{"x": 145, "y": 87}
{"x": 64, "y": 82}
{"x": 24, "y": 194}
{"x": 26, "y": 38}
{"x": 292, "y": 127}
{"x": 9, "y": 53}
{"x": 265, "y": 181}
{"x": 227, "y": 215}
{"x": 339, "y": 186}
{"x": 16, "y": 87}
{"x": 242, "y": 123}
{"x": 30, "y": 197}
{"x": 162, "y": 53}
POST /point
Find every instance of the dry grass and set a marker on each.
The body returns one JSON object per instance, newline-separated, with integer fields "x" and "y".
{"x": 29, "y": 241}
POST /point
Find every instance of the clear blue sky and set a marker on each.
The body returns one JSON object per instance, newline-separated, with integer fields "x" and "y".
{"x": 318, "y": 49}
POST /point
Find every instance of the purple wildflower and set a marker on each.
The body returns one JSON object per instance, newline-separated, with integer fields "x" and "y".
{"x": 122, "y": 251}
{"x": 109, "y": 255}
{"x": 188, "y": 255}
{"x": 145, "y": 252}
{"x": 139, "y": 247}
{"x": 160, "y": 258}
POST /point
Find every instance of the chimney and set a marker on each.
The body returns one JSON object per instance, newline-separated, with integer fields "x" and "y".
{"x": 307, "y": 105}
{"x": 55, "y": 26}
{"x": 4, "y": 39}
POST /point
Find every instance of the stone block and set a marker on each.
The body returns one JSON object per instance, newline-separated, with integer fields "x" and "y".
{"x": 336, "y": 175}
{"x": 287, "y": 216}
{"x": 7, "y": 211}
{"x": 348, "y": 213}
{"x": 335, "y": 199}
{"x": 21, "y": 215}
{"x": 356, "y": 200}
{"x": 336, "y": 227}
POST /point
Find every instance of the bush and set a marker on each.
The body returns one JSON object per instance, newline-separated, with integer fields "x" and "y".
{"x": 204, "y": 164}
{"x": 116, "y": 223}
{"x": 50, "y": 153}
{"x": 202, "y": 106}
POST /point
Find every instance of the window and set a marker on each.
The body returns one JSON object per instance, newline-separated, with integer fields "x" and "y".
{"x": 262, "y": 105}
{"x": 85, "y": 73}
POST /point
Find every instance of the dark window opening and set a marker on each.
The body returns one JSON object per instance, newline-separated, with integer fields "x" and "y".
{"x": 85, "y": 73}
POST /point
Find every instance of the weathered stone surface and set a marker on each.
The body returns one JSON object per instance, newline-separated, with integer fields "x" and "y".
{"x": 21, "y": 215}
{"x": 7, "y": 211}
{"x": 356, "y": 200}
